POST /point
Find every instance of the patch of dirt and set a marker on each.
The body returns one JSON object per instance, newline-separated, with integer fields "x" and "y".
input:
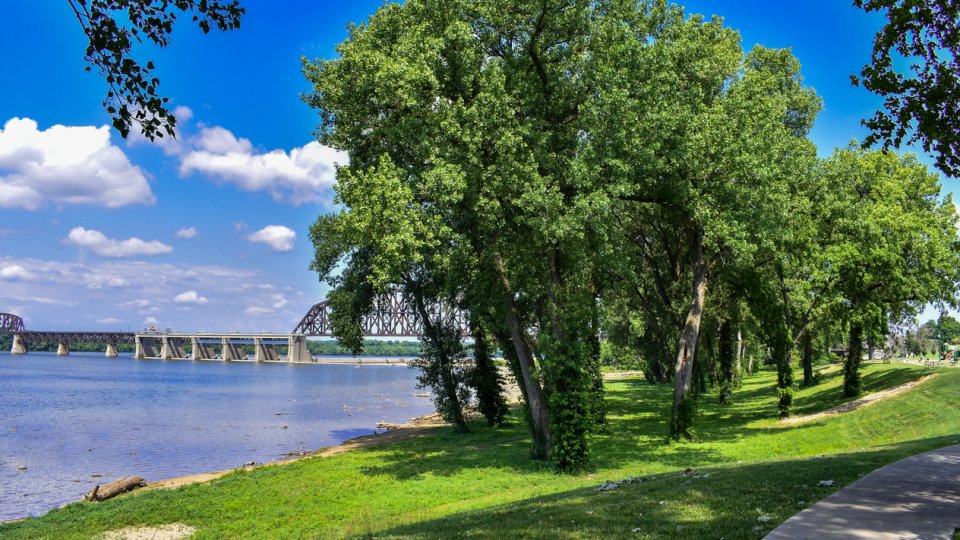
{"x": 170, "y": 531}
{"x": 615, "y": 376}
{"x": 856, "y": 404}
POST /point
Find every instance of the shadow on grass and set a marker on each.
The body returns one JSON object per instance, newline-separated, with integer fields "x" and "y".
{"x": 727, "y": 504}
{"x": 638, "y": 414}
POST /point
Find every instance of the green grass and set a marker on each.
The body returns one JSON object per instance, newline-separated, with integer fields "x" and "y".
{"x": 483, "y": 484}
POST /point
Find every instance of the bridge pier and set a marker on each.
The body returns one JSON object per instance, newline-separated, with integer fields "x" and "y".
{"x": 111, "y": 350}
{"x": 144, "y": 347}
{"x": 19, "y": 346}
{"x": 265, "y": 352}
{"x": 297, "y": 350}
{"x": 232, "y": 351}
{"x": 171, "y": 348}
{"x": 201, "y": 351}
{"x": 62, "y": 349}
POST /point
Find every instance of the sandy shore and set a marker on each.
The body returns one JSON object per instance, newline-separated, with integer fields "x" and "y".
{"x": 418, "y": 427}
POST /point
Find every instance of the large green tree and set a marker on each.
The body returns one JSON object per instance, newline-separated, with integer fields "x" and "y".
{"x": 471, "y": 105}
{"x": 894, "y": 248}
{"x": 706, "y": 141}
{"x": 921, "y": 102}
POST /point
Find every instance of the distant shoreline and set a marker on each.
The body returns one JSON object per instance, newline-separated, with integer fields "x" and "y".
{"x": 325, "y": 359}
{"x": 364, "y": 360}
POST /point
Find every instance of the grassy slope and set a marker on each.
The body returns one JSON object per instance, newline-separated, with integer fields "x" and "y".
{"x": 483, "y": 484}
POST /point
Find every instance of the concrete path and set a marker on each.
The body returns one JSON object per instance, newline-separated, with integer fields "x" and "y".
{"x": 914, "y": 498}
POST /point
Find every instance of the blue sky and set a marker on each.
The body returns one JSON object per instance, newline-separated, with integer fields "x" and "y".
{"x": 210, "y": 232}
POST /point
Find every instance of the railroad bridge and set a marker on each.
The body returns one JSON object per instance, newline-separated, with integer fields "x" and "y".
{"x": 392, "y": 315}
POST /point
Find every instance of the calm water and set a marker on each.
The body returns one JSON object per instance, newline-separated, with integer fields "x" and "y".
{"x": 69, "y": 418}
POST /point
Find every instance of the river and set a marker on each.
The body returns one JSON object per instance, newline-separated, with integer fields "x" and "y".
{"x": 69, "y": 423}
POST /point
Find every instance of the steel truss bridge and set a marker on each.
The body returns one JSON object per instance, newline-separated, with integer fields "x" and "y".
{"x": 392, "y": 315}
{"x": 10, "y": 323}
{"x": 67, "y": 338}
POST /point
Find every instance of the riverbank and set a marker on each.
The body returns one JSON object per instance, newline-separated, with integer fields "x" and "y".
{"x": 70, "y": 423}
{"x": 364, "y": 360}
{"x": 482, "y": 484}
{"x": 417, "y": 427}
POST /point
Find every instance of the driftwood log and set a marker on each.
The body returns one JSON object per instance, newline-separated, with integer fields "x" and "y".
{"x": 107, "y": 491}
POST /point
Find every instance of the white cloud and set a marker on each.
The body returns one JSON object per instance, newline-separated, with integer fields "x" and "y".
{"x": 190, "y": 297}
{"x": 302, "y": 175}
{"x": 187, "y": 232}
{"x": 107, "y": 247}
{"x": 218, "y": 140}
{"x": 14, "y": 271}
{"x": 109, "y": 320}
{"x": 151, "y": 320}
{"x": 278, "y": 237}
{"x": 66, "y": 165}
{"x": 278, "y": 300}
{"x": 91, "y": 287}
{"x": 258, "y": 310}
{"x": 183, "y": 114}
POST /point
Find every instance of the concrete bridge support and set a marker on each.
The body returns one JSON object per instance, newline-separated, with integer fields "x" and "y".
{"x": 62, "y": 349}
{"x": 297, "y": 350}
{"x": 233, "y": 351}
{"x": 202, "y": 351}
{"x": 111, "y": 350}
{"x": 145, "y": 347}
{"x": 172, "y": 348}
{"x": 19, "y": 346}
{"x": 265, "y": 352}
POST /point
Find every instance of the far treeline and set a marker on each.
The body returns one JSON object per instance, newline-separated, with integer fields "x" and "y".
{"x": 317, "y": 348}
{"x": 587, "y": 175}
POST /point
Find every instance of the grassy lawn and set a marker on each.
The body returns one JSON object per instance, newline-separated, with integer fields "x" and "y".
{"x": 484, "y": 485}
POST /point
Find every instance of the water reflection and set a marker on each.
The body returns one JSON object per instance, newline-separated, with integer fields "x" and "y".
{"x": 80, "y": 420}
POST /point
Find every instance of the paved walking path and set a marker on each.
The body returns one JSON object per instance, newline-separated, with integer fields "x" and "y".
{"x": 914, "y": 498}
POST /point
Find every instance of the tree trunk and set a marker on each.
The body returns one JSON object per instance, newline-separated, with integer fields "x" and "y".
{"x": 782, "y": 355}
{"x": 539, "y": 415}
{"x": 659, "y": 371}
{"x": 446, "y": 366}
{"x": 725, "y": 356}
{"x": 807, "y": 359}
{"x": 852, "y": 385}
{"x": 699, "y": 370}
{"x": 711, "y": 364}
{"x": 681, "y": 422}
{"x": 740, "y": 345}
{"x": 107, "y": 491}
{"x": 485, "y": 377}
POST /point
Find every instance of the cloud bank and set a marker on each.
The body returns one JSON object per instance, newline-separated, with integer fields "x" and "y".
{"x": 66, "y": 165}
{"x": 299, "y": 176}
{"x": 106, "y": 247}
{"x": 278, "y": 237}
{"x": 190, "y": 297}
{"x": 187, "y": 232}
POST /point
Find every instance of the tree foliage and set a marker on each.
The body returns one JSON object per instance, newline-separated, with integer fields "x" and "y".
{"x": 570, "y": 171}
{"x": 113, "y": 27}
{"x": 893, "y": 248}
{"x": 921, "y": 102}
